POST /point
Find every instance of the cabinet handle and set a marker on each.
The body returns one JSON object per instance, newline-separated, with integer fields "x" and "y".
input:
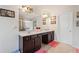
{"x": 27, "y": 39}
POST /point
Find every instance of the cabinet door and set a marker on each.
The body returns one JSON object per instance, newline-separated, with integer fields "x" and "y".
{"x": 45, "y": 38}
{"x": 38, "y": 41}
{"x": 28, "y": 45}
{"x": 52, "y": 35}
{"x": 49, "y": 37}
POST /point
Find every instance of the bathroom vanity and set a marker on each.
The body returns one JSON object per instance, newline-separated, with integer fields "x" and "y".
{"x": 31, "y": 42}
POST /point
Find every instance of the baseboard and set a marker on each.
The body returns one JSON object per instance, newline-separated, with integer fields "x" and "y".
{"x": 16, "y": 51}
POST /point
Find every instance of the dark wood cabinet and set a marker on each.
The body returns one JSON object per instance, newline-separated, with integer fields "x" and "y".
{"x": 47, "y": 37}
{"x": 52, "y": 35}
{"x": 29, "y": 44}
{"x": 32, "y": 43}
{"x": 38, "y": 42}
{"x": 26, "y": 44}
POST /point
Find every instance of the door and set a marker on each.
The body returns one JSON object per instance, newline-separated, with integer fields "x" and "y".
{"x": 52, "y": 35}
{"x": 65, "y": 27}
{"x": 28, "y": 45}
{"x": 38, "y": 41}
{"x": 45, "y": 38}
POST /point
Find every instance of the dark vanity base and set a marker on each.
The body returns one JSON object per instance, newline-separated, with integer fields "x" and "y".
{"x": 47, "y": 37}
{"x": 32, "y": 43}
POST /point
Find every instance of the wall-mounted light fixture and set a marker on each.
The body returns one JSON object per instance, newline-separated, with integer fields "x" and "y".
{"x": 26, "y": 8}
{"x": 45, "y": 16}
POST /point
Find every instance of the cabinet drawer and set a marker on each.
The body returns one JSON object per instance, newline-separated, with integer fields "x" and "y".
{"x": 33, "y": 36}
{"x": 26, "y": 38}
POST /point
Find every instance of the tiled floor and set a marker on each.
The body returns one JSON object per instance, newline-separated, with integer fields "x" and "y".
{"x": 60, "y": 48}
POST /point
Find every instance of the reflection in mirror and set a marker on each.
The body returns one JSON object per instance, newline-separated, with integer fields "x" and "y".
{"x": 31, "y": 17}
{"x": 28, "y": 25}
{"x": 21, "y": 28}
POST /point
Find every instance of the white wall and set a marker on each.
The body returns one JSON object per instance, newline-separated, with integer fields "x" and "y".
{"x": 9, "y": 31}
{"x": 76, "y": 29}
{"x": 53, "y": 10}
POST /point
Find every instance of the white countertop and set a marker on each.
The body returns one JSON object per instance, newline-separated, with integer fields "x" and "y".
{"x": 25, "y": 33}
